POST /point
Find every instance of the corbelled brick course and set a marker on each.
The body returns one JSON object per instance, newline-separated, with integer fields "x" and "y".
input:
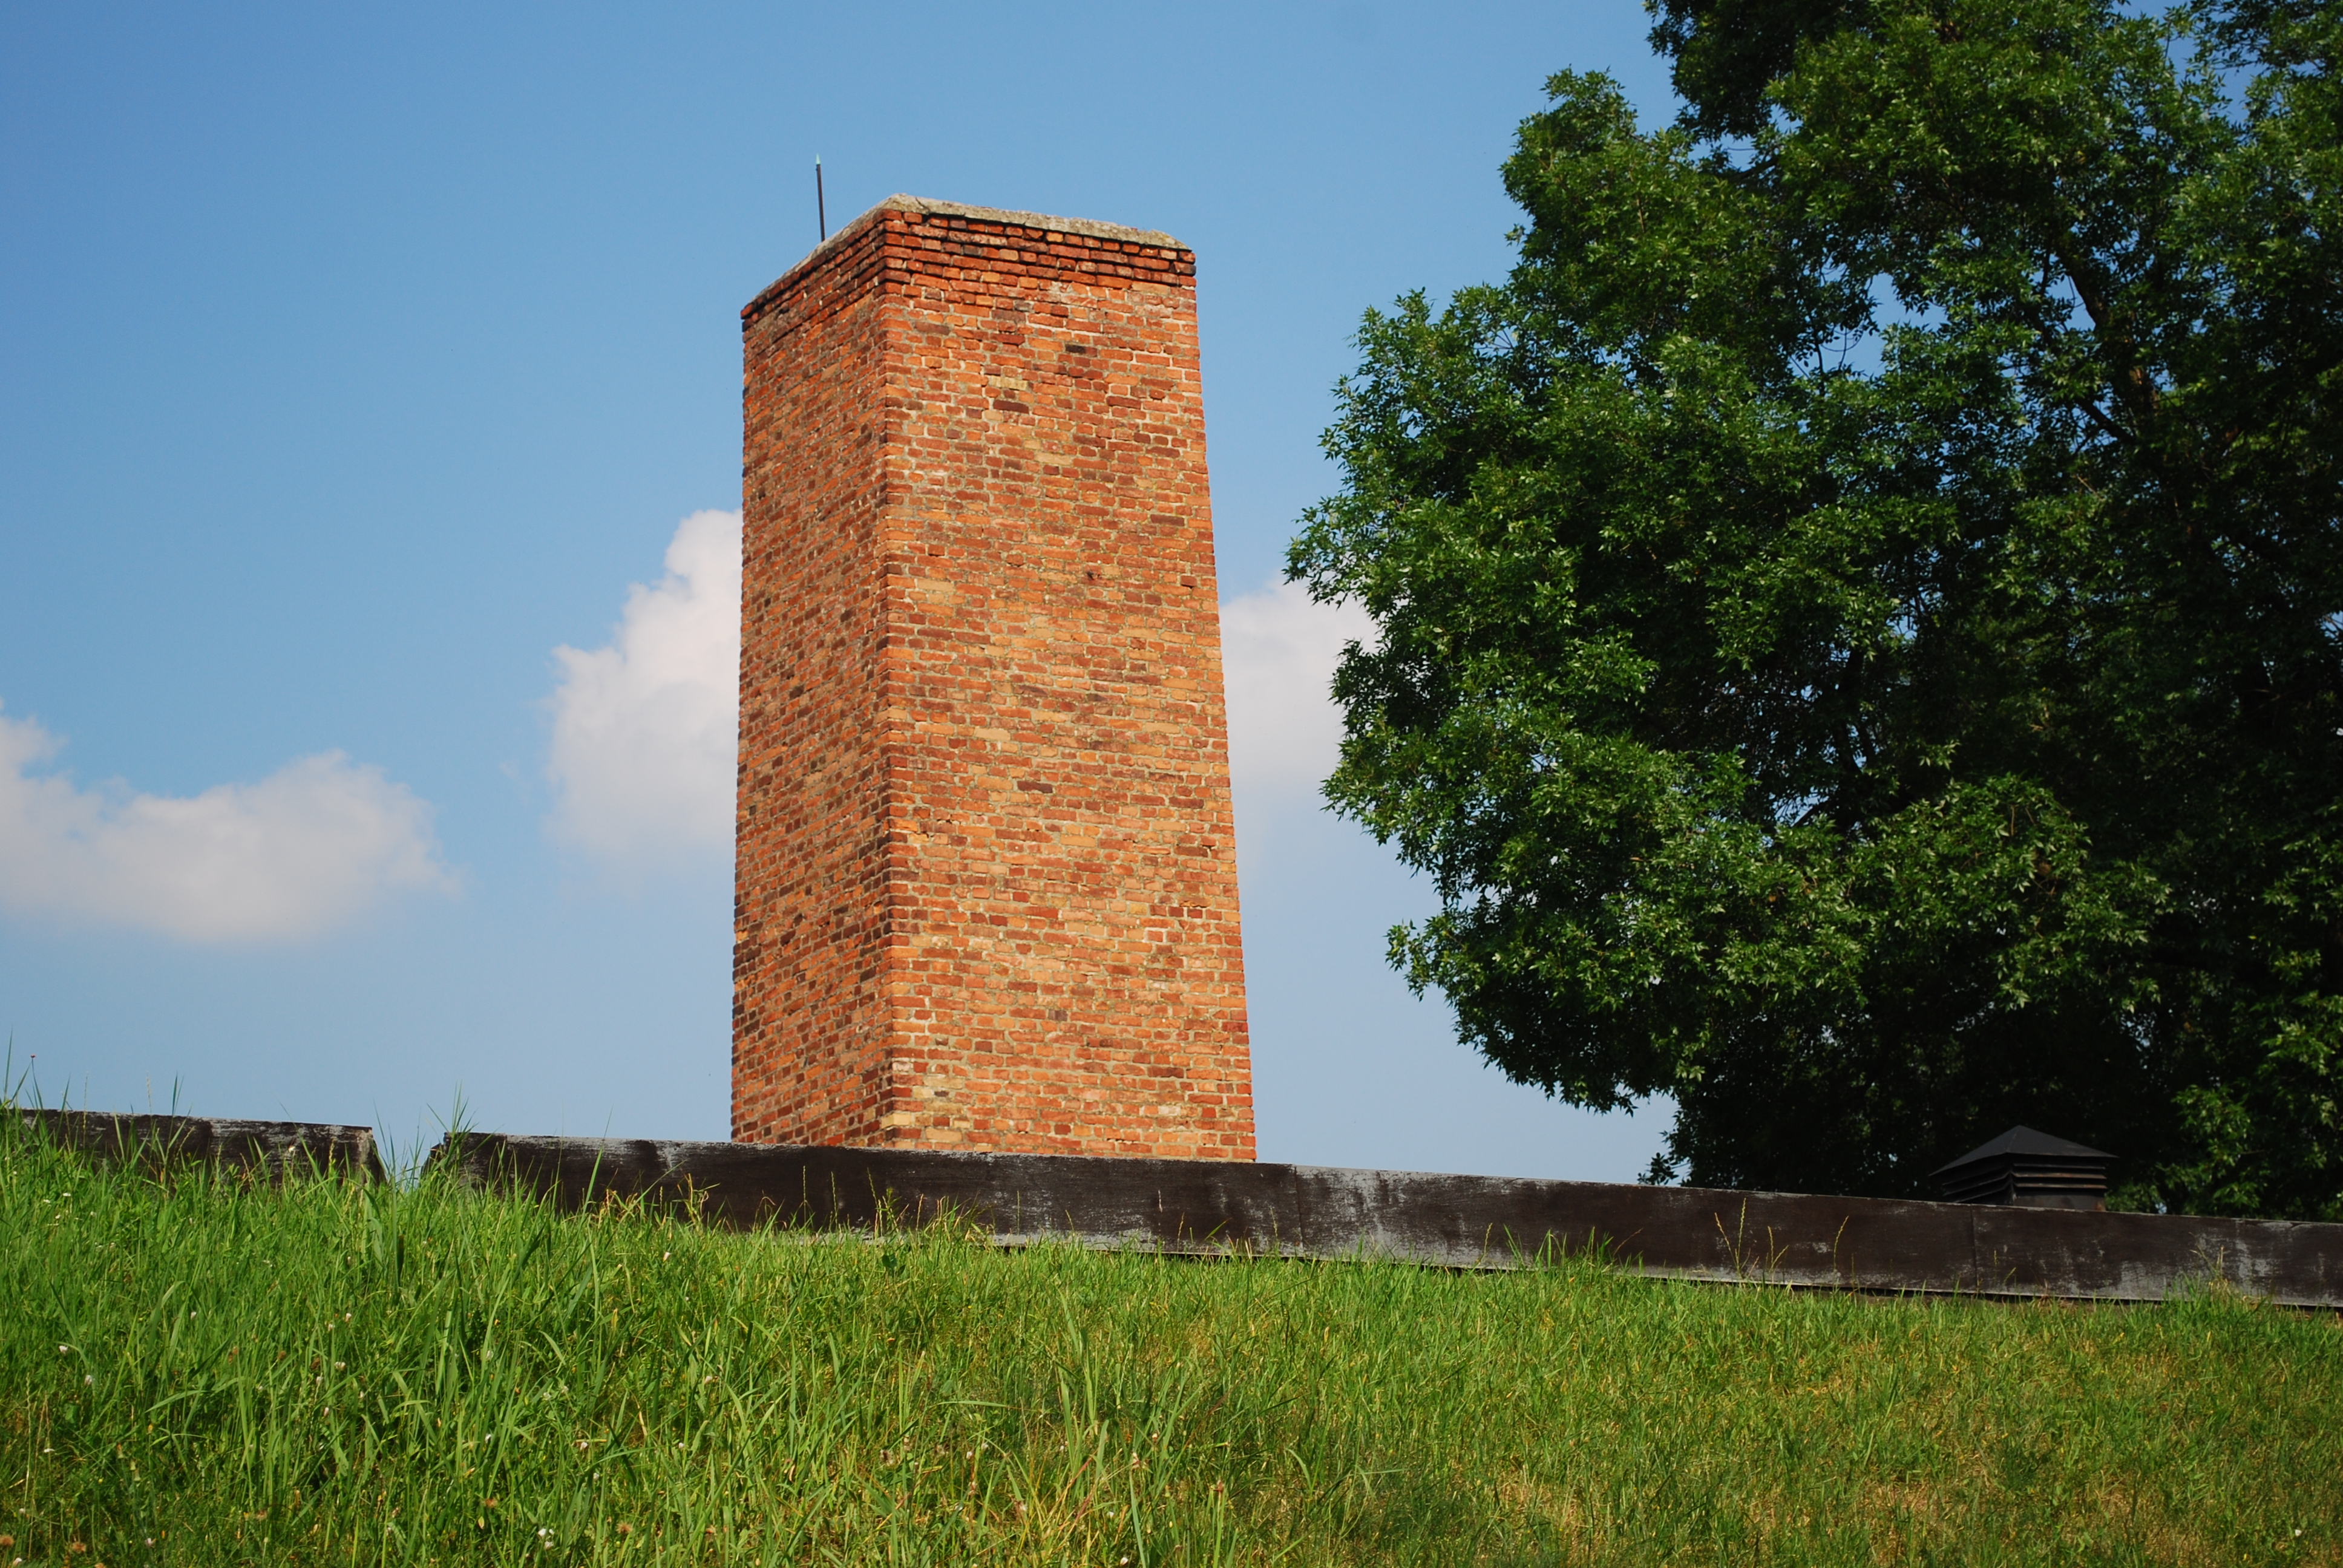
{"x": 986, "y": 891}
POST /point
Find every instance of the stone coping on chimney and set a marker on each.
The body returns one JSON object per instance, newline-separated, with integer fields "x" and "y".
{"x": 1089, "y": 228}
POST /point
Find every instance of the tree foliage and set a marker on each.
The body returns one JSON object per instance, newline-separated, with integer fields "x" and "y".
{"x": 1861, "y": 607}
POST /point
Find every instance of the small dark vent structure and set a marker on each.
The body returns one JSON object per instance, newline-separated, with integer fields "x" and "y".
{"x": 2029, "y": 1168}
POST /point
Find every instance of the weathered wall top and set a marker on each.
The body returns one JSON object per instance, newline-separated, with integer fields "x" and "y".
{"x": 1206, "y": 1207}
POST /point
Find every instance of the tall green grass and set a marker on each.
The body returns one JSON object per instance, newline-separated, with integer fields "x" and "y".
{"x": 202, "y": 1370}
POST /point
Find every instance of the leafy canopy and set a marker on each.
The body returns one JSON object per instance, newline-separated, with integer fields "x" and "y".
{"x": 1861, "y": 607}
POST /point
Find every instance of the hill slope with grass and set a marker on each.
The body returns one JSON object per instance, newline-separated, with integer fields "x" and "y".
{"x": 202, "y": 1370}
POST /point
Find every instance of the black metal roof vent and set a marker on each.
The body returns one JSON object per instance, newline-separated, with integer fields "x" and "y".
{"x": 2028, "y": 1168}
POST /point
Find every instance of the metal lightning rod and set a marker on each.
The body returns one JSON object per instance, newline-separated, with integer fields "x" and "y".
{"x": 820, "y": 213}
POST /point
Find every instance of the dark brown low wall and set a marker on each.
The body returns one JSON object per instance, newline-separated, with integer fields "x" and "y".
{"x": 269, "y": 1148}
{"x": 1471, "y": 1221}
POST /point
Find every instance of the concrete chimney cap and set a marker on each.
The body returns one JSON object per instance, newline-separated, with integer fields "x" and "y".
{"x": 1084, "y": 226}
{"x": 1087, "y": 228}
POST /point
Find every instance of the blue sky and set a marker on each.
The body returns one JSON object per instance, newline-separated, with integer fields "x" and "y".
{"x": 352, "y": 361}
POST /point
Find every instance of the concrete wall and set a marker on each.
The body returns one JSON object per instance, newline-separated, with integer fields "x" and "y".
{"x": 1791, "y": 1239}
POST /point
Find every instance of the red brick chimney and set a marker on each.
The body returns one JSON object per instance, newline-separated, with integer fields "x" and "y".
{"x": 986, "y": 894}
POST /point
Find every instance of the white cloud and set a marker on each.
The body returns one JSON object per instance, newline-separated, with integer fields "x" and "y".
{"x": 306, "y": 849}
{"x": 646, "y": 729}
{"x": 1278, "y": 651}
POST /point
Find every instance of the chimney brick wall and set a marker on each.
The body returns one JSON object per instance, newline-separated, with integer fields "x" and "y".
{"x": 986, "y": 887}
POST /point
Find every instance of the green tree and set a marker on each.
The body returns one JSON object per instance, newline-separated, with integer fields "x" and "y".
{"x": 1861, "y": 607}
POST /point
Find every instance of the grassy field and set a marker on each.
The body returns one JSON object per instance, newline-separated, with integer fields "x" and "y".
{"x": 210, "y": 1372}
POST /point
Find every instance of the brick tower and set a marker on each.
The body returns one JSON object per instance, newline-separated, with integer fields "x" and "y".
{"x": 986, "y": 894}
